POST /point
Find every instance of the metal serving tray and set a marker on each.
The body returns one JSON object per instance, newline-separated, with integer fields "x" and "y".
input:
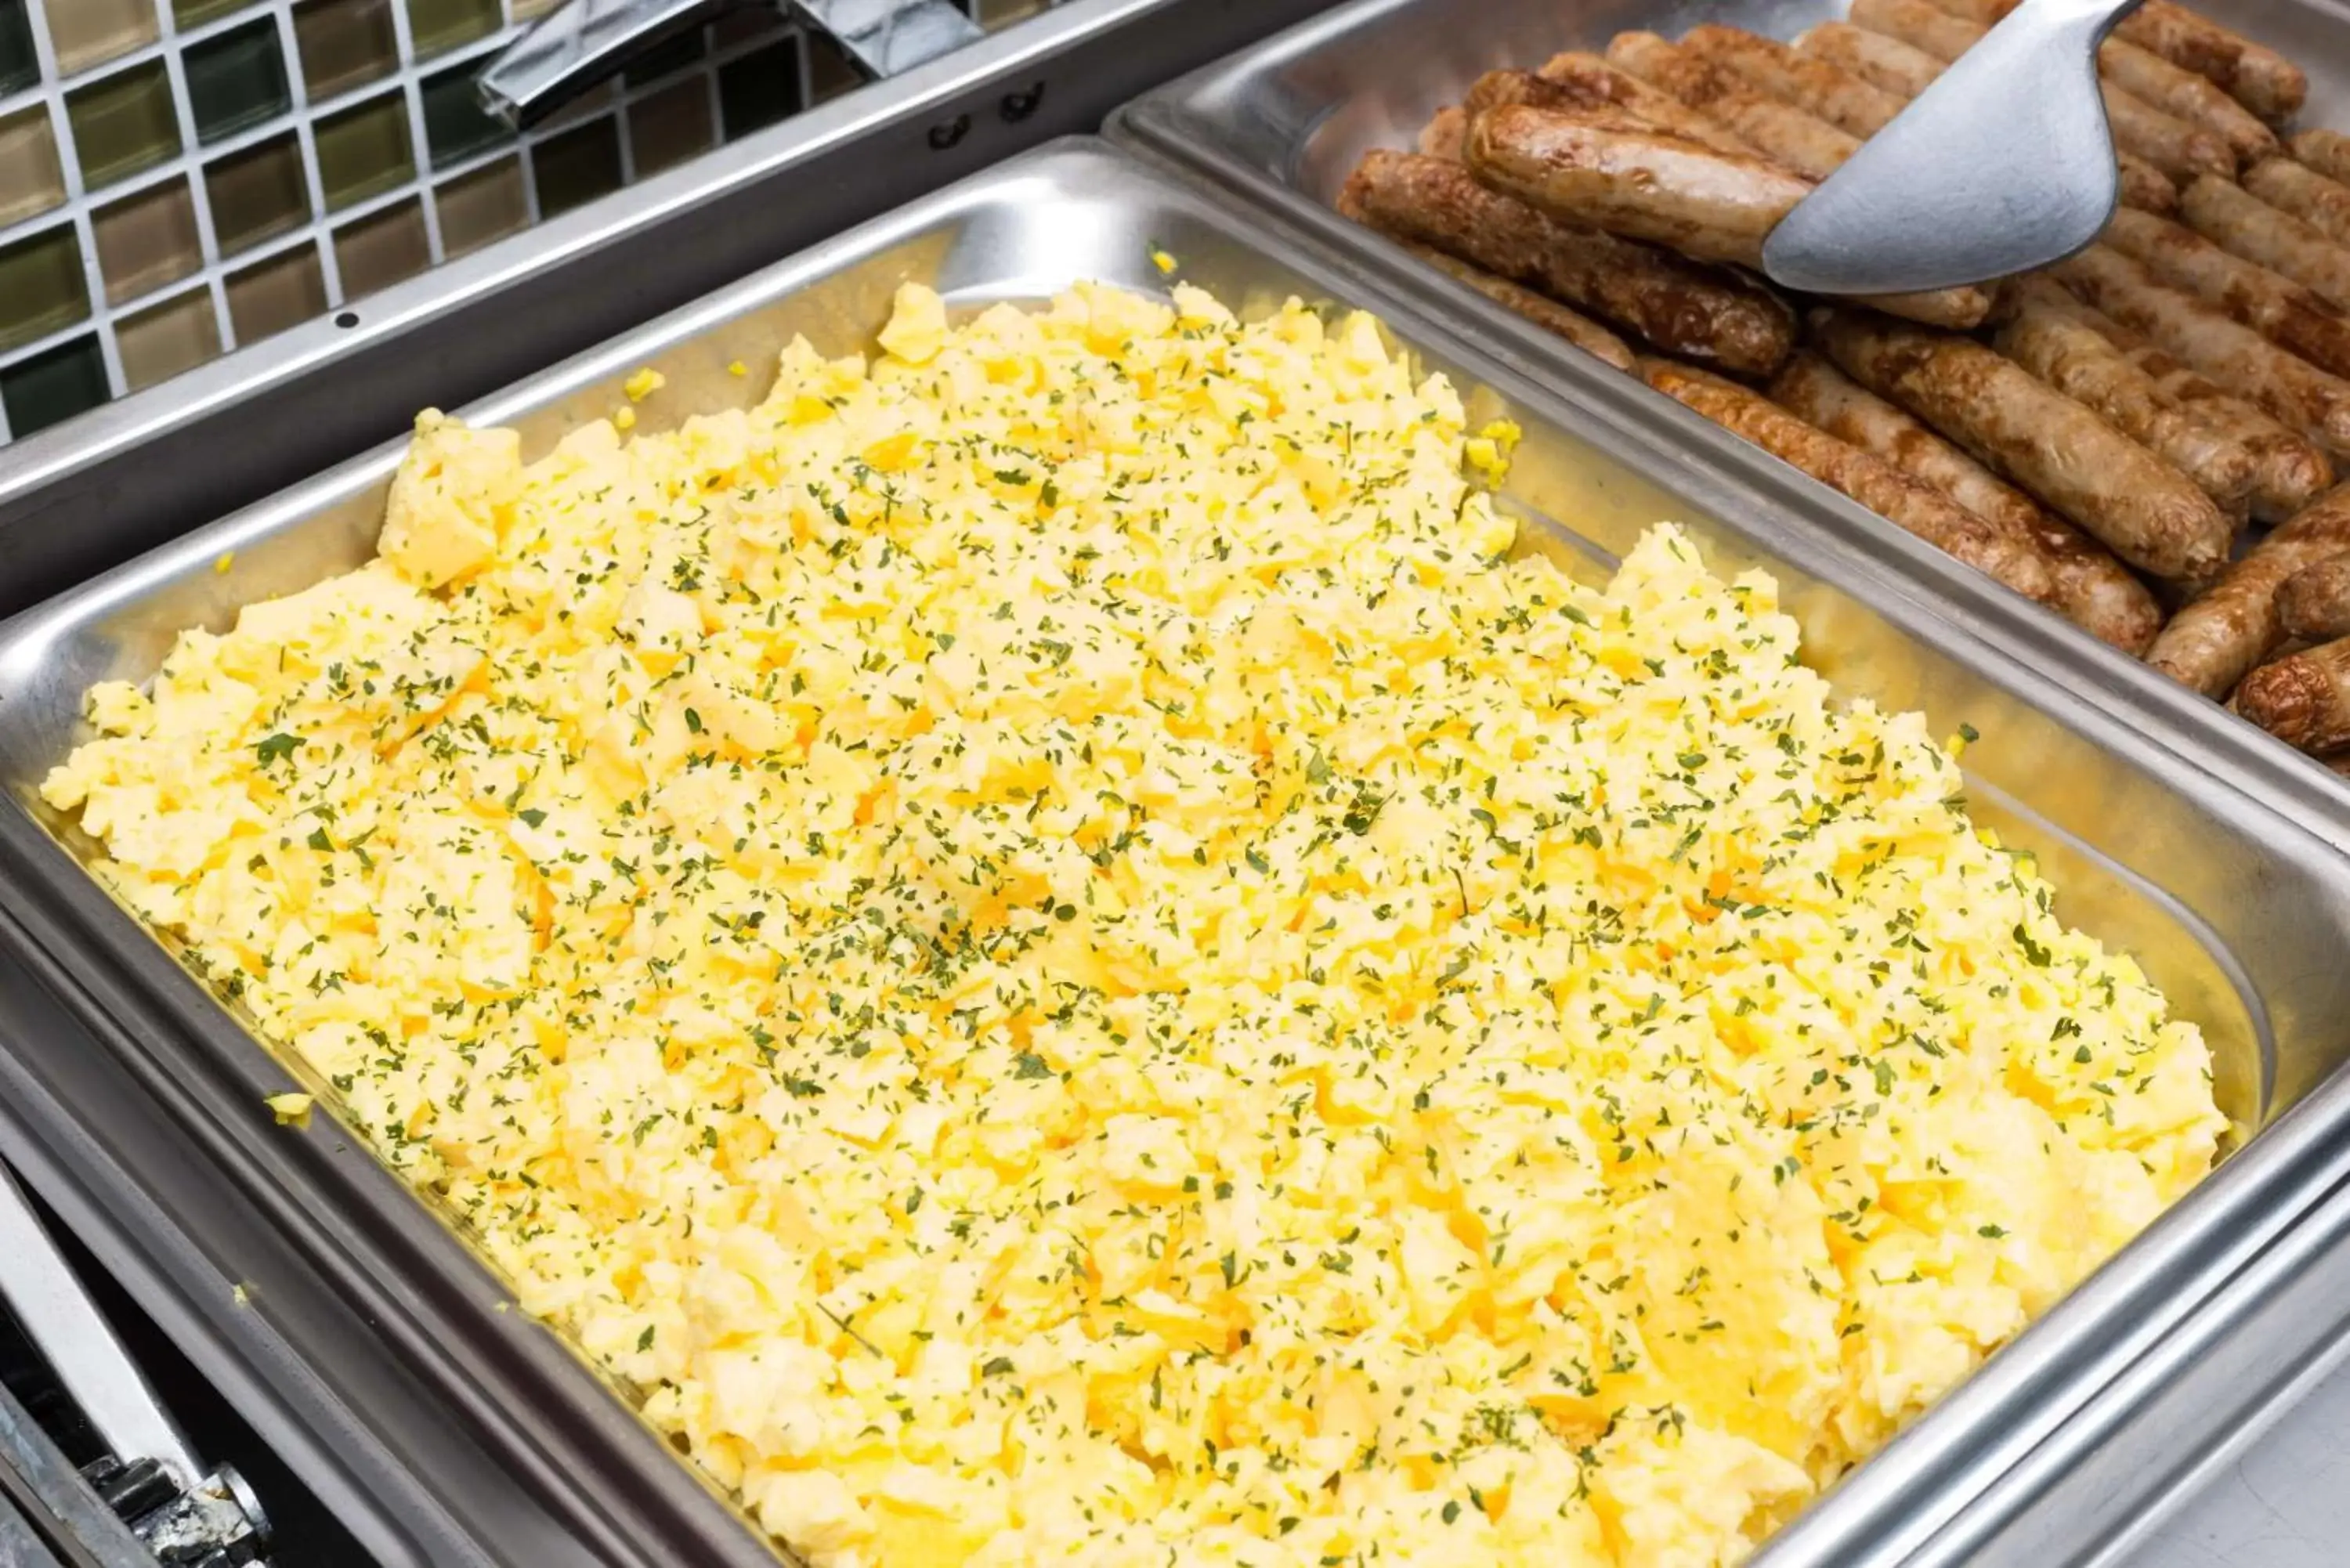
{"x": 2232, "y": 907}
{"x": 1283, "y": 123}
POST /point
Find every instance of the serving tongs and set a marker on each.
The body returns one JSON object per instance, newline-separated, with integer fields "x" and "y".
{"x": 588, "y": 40}
{"x": 2004, "y": 163}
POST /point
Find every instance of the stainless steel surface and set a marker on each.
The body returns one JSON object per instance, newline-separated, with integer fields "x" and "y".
{"x": 577, "y": 46}
{"x": 40, "y": 1290}
{"x": 2231, "y": 906}
{"x": 588, "y": 40}
{"x": 2004, "y": 163}
{"x": 75, "y": 499}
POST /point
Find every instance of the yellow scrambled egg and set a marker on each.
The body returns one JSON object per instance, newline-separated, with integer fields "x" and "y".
{"x": 1044, "y": 945}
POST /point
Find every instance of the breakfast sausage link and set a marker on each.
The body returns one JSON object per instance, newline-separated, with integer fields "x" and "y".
{"x": 2304, "y": 397}
{"x": 2232, "y": 216}
{"x": 2232, "y": 625}
{"x": 2259, "y": 78}
{"x": 2145, "y": 511}
{"x": 1649, "y": 185}
{"x": 1541, "y": 309}
{"x": 2323, "y": 203}
{"x": 1594, "y": 81}
{"x": 1696, "y": 311}
{"x": 2086, "y": 584}
{"x": 1814, "y": 85}
{"x": 2178, "y": 149}
{"x": 2148, "y": 77}
{"x": 2327, "y": 151}
{"x": 1905, "y": 72}
{"x": 1875, "y": 484}
{"x": 1783, "y": 134}
{"x": 2303, "y": 700}
{"x": 2315, "y": 602}
{"x": 2288, "y": 471}
{"x": 2283, "y": 311}
{"x": 2083, "y": 366}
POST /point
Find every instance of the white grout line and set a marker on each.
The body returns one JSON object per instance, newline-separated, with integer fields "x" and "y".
{"x": 305, "y": 134}
{"x": 93, "y": 284}
{"x": 207, "y": 237}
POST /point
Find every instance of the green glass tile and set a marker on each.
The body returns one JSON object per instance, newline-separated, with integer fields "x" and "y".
{"x": 382, "y": 248}
{"x": 455, "y": 124}
{"x": 438, "y": 24}
{"x": 42, "y": 286}
{"x": 87, "y": 33}
{"x": 669, "y": 127}
{"x": 196, "y": 13}
{"x": 146, "y": 240}
{"x": 31, "y": 180}
{"x": 19, "y": 67}
{"x": 258, "y": 191}
{"x": 363, "y": 151}
{"x": 123, "y": 123}
{"x": 176, "y": 336}
{"x": 344, "y": 43}
{"x": 271, "y": 295}
{"x": 236, "y": 79}
{"x": 759, "y": 89}
{"x": 53, "y": 386}
{"x": 577, "y": 166}
{"x": 487, "y": 204}
{"x": 671, "y": 54}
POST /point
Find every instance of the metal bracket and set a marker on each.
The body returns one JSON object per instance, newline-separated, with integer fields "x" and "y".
{"x": 588, "y": 40}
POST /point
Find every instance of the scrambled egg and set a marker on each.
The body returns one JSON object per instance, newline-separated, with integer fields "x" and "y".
{"x": 1044, "y": 945}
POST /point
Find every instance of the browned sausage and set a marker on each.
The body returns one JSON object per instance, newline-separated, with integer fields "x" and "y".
{"x": 1644, "y": 185}
{"x": 2155, "y": 81}
{"x": 2086, "y": 584}
{"x": 2241, "y": 222}
{"x": 1875, "y": 484}
{"x": 1594, "y": 81}
{"x": 1785, "y": 135}
{"x": 2323, "y": 203}
{"x": 2083, "y": 366}
{"x": 2259, "y": 78}
{"x": 1882, "y": 61}
{"x": 2288, "y": 471}
{"x": 1919, "y": 24}
{"x": 2315, "y": 602}
{"x": 1442, "y": 136}
{"x": 2178, "y": 149}
{"x": 1541, "y": 309}
{"x": 2281, "y": 310}
{"x": 1696, "y": 311}
{"x": 2148, "y": 77}
{"x": 1904, "y": 72}
{"x": 2232, "y": 625}
{"x": 2141, "y": 508}
{"x": 2327, "y": 151}
{"x": 2303, "y": 700}
{"x": 2304, "y": 397}
{"x": 1814, "y": 85}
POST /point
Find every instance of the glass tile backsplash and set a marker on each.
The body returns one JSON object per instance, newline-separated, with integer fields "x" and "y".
{"x": 180, "y": 177}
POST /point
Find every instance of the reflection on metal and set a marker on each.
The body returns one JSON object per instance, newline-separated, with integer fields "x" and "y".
{"x": 149, "y": 1499}
{"x": 588, "y": 40}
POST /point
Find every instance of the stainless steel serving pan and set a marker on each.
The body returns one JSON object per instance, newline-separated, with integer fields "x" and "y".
{"x": 2236, "y": 909}
{"x": 1281, "y": 124}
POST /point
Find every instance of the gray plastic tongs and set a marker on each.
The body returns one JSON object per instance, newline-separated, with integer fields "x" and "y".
{"x": 588, "y": 40}
{"x": 2002, "y": 164}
